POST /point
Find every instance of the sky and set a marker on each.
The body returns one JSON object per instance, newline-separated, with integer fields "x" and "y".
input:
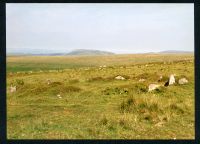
{"x": 118, "y": 28}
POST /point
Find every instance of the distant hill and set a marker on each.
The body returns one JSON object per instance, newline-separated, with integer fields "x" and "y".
{"x": 175, "y": 52}
{"x": 89, "y": 52}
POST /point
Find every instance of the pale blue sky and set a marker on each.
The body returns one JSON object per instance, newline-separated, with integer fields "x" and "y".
{"x": 119, "y": 28}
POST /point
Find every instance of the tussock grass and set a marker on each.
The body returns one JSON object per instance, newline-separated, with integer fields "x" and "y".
{"x": 141, "y": 105}
{"x": 114, "y": 91}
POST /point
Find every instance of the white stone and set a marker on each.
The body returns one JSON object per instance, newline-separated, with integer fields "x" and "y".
{"x": 183, "y": 81}
{"x": 13, "y": 89}
{"x": 59, "y": 96}
{"x": 153, "y": 87}
{"x": 171, "y": 79}
{"x": 141, "y": 80}
{"x": 120, "y": 78}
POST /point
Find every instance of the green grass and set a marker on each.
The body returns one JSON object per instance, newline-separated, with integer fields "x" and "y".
{"x": 96, "y": 106}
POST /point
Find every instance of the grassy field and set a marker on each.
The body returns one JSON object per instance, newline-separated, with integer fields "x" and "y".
{"x": 94, "y": 105}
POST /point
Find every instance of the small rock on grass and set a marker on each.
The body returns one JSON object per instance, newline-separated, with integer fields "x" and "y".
{"x": 183, "y": 81}
{"x": 153, "y": 87}
{"x": 59, "y": 96}
{"x": 119, "y": 78}
{"x": 141, "y": 80}
{"x": 13, "y": 89}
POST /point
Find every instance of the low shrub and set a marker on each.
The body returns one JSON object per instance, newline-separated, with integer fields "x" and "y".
{"x": 73, "y": 81}
{"x": 55, "y": 84}
{"x": 20, "y": 81}
{"x": 140, "y": 88}
{"x": 115, "y": 91}
{"x": 95, "y": 79}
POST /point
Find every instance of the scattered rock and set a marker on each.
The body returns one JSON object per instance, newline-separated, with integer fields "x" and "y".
{"x": 120, "y": 78}
{"x": 141, "y": 80}
{"x": 183, "y": 81}
{"x": 153, "y": 87}
{"x": 59, "y": 96}
{"x": 13, "y": 89}
{"x": 101, "y": 67}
